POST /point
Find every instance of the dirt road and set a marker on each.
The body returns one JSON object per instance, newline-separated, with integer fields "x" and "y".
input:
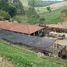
{"x": 58, "y": 5}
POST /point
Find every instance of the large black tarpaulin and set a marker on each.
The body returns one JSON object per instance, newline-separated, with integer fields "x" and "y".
{"x": 33, "y": 41}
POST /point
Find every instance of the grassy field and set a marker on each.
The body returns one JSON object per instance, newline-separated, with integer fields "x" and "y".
{"x": 49, "y": 18}
{"x": 53, "y": 17}
{"x": 23, "y": 57}
{"x": 26, "y": 19}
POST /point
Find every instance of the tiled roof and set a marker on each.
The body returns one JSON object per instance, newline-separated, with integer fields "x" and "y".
{"x": 18, "y": 27}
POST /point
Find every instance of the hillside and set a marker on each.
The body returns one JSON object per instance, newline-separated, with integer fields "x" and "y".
{"x": 58, "y": 5}
{"x": 42, "y": 3}
{"x": 24, "y": 57}
{"x": 48, "y": 18}
{"x": 37, "y": 15}
{"x": 54, "y": 6}
{"x": 55, "y": 16}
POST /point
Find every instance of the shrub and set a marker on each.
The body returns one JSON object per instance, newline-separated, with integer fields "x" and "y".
{"x": 4, "y": 14}
{"x": 31, "y": 12}
{"x": 49, "y": 9}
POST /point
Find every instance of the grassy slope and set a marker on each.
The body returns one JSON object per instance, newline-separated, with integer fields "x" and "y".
{"x": 50, "y": 18}
{"x": 23, "y": 57}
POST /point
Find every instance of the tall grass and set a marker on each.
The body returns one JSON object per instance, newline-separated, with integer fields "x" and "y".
{"x": 53, "y": 17}
{"x": 22, "y": 57}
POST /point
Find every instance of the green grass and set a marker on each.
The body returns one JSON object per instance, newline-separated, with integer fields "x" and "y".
{"x": 53, "y": 17}
{"x": 25, "y": 57}
{"x": 25, "y": 19}
{"x": 50, "y": 18}
{"x": 22, "y": 19}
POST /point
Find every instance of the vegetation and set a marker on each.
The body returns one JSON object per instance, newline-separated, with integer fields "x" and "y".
{"x": 40, "y": 15}
{"x": 26, "y": 19}
{"x": 12, "y": 8}
{"x": 4, "y": 14}
{"x": 12, "y": 11}
{"x": 31, "y": 15}
{"x": 23, "y": 57}
{"x": 49, "y": 9}
{"x": 19, "y": 6}
{"x": 53, "y": 17}
{"x": 4, "y": 5}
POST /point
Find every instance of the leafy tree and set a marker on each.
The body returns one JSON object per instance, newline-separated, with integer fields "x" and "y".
{"x": 12, "y": 11}
{"x": 49, "y": 9}
{"x": 31, "y": 12}
{"x": 3, "y": 5}
{"x": 10, "y": 8}
{"x": 19, "y": 7}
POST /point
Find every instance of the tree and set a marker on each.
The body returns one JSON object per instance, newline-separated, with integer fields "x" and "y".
{"x": 12, "y": 11}
{"x": 3, "y": 5}
{"x": 19, "y": 6}
{"x": 49, "y": 9}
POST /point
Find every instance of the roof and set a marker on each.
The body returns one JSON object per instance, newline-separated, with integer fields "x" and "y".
{"x": 18, "y": 27}
{"x": 32, "y": 41}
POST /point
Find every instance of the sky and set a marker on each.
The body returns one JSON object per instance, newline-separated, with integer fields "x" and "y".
{"x": 52, "y": 0}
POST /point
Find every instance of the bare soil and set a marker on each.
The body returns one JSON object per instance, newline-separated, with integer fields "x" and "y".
{"x": 58, "y": 5}
{"x": 5, "y": 63}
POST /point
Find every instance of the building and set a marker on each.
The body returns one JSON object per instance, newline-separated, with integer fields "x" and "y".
{"x": 41, "y": 44}
{"x": 28, "y": 29}
{"x": 20, "y": 34}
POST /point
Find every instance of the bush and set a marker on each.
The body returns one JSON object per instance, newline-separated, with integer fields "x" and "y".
{"x": 49, "y": 9}
{"x": 4, "y": 14}
{"x": 31, "y": 12}
{"x": 5, "y": 6}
